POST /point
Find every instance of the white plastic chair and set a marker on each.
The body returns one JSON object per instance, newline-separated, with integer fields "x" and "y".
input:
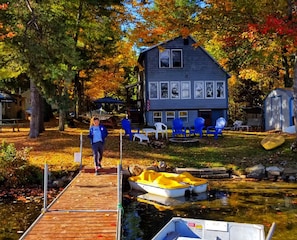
{"x": 161, "y": 128}
{"x": 237, "y": 124}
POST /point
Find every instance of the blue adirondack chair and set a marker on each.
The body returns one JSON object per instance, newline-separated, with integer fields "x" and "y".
{"x": 178, "y": 128}
{"x": 126, "y": 125}
{"x": 217, "y": 129}
{"x": 198, "y": 126}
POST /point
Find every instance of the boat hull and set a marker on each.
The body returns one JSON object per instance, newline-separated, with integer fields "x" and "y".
{"x": 172, "y": 193}
{"x": 189, "y": 228}
{"x": 272, "y": 141}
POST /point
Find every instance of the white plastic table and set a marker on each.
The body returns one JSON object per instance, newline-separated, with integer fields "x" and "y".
{"x": 147, "y": 131}
{"x": 141, "y": 137}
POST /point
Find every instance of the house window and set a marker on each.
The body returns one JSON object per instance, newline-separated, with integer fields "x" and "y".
{"x": 170, "y": 58}
{"x": 220, "y": 89}
{"x": 209, "y": 90}
{"x": 176, "y": 56}
{"x": 185, "y": 90}
{"x": 164, "y": 58}
{"x": 174, "y": 90}
{"x": 170, "y": 115}
{"x": 153, "y": 90}
{"x": 164, "y": 86}
{"x": 183, "y": 115}
{"x": 157, "y": 116}
{"x": 198, "y": 89}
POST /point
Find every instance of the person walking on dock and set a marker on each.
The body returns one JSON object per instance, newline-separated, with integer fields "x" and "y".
{"x": 97, "y": 134}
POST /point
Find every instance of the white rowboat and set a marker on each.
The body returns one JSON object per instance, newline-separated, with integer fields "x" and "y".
{"x": 189, "y": 228}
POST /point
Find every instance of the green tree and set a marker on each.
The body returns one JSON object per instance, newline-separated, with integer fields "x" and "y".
{"x": 56, "y": 41}
{"x": 47, "y": 52}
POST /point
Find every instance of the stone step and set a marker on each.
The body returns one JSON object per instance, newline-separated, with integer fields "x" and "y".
{"x": 217, "y": 172}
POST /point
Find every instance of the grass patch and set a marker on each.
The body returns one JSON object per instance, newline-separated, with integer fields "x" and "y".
{"x": 235, "y": 149}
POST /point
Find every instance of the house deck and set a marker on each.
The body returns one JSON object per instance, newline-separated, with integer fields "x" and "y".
{"x": 88, "y": 208}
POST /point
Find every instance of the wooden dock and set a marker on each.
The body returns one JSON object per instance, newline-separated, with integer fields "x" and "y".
{"x": 89, "y": 208}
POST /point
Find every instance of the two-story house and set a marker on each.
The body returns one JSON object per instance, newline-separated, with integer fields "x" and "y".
{"x": 177, "y": 79}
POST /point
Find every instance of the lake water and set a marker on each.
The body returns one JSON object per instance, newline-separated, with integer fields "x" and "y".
{"x": 260, "y": 202}
{"x": 16, "y": 217}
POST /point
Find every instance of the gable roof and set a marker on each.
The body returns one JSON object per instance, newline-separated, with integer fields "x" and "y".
{"x": 143, "y": 52}
{"x": 287, "y": 91}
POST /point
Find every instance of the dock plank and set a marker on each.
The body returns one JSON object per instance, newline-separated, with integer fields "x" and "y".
{"x": 87, "y": 209}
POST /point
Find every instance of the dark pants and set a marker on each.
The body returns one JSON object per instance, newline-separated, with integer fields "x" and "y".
{"x": 97, "y": 152}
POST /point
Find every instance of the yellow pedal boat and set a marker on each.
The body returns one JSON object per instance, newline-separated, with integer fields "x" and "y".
{"x": 168, "y": 184}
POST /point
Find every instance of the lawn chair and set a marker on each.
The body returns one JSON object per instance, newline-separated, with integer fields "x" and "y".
{"x": 198, "y": 126}
{"x": 217, "y": 129}
{"x": 126, "y": 125}
{"x": 178, "y": 128}
{"x": 161, "y": 128}
{"x": 237, "y": 124}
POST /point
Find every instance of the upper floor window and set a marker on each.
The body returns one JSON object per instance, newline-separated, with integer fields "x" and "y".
{"x": 170, "y": 58}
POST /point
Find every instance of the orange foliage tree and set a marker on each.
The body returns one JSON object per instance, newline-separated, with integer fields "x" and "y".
{"x": 255, "y": 40}
{"x": 111, "y": 73}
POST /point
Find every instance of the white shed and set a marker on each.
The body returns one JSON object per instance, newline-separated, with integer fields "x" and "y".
{"x": 279, "y": 109}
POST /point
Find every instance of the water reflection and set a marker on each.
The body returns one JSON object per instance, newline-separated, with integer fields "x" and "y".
{"x": 256, "y": 202}
{"x": 16, "y": 217}
{"x": 251, "y": 202}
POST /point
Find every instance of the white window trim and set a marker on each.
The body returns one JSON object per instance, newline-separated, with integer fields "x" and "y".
{"x": 188, "y": 89}
{"x": 169, "y": 117}
{"x": 159, "y": 117}
{"x": 223, "y": 90}
{"x": 199, "y": 89}
{"x": 212, "y": 89}
{"x": 171, "y": 50}
{"x": 175, "y": 84}
{"x": 161, "y": 51}
{"x": 183, "y": 117}
{"x": 168, "y": 90}
{"x": 181, "y": 57}
{"x": 157, "y": 90}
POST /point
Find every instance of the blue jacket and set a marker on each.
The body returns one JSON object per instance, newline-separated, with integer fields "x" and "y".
{"x": 103, "y": 130}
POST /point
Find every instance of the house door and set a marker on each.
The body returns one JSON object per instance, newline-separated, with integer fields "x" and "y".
{"x": 276, "y": 113}
{"x": 206, "y": 114}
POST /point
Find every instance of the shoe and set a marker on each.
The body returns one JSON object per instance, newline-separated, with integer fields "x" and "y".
{"x": 96, "y": 172}
{"x": 99, "y": 167}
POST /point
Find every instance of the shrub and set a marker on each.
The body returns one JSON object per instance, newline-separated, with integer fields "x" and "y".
{"x": 15, "y": 169}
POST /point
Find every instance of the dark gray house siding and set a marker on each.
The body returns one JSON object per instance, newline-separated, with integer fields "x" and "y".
{"x": 198, "y": 86}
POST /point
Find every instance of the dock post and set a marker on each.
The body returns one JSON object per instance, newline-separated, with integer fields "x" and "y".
{"x": 119, "y": 190}
{"x": 45, "y": 184}
{"x": 80, "y": 150}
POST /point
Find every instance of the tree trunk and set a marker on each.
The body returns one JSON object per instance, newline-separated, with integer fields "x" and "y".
{"x": 41, "y": 114}
{"x": 62, "y": 118}
{"x": 35, "y": 106}
{"x": 295, "y": 94}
